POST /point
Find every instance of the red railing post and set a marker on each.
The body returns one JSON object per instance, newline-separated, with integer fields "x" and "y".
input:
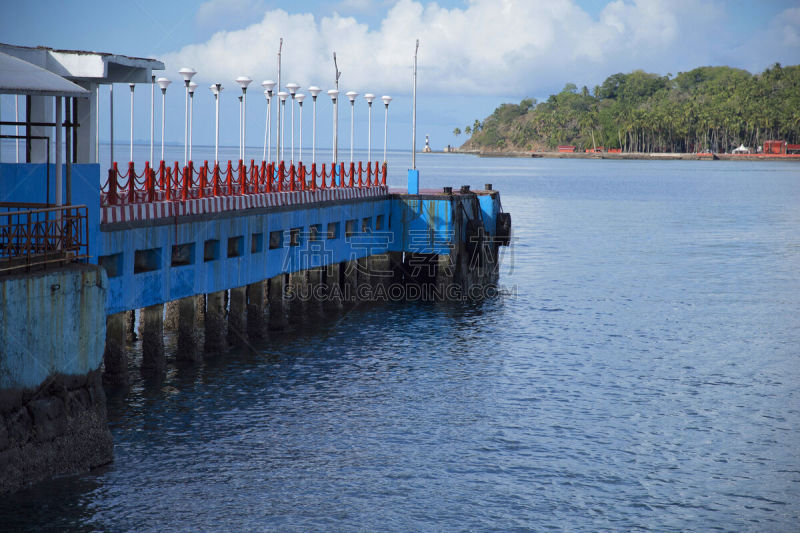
{"x": 281, "y": 171}
{"x": 131, "y": 183}
{"x": 352, "y": 174}
{"x": 215, "y": 184}
{"x": 383, "y": 178}
{"x": 162, "y": 171}
{"x": 360, "y": 170}
{"x": 112, "y": 185}
{"x": 229, "y": 176}
{"x": 291, "y": 176}
{"x": 313, "y": 184}
{"x": 149, "y": 184}
{"x": 187, "y": 180}
{"x": 242, "y": 177}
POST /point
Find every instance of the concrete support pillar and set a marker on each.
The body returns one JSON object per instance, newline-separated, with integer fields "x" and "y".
{"x": 188, "y": 332}
{"x": 153, "y": 338}
{"x": 171, "y": 315}
{"x": 130, "y": 326}
{"x": 237, "y": 316}
{"x": 349, "y": 279}
{"x": 333, "y": 277}
{"x": 115, "y": 357}
{"x": 445, "y": 271}
{"x": 256, "y": 309}
{"x": 380, "y": 269}
{"x": 201, "y": 307}
{"x": 86, "y": 117}
{"x": 277, "y": 309}
{"x": 314, "y": 282}
{"x": 215, "y": 322}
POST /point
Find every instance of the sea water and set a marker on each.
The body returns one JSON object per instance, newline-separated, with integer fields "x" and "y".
{"x": 639, "y": 369}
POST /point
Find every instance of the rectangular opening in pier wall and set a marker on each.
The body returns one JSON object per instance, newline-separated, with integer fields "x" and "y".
{"x": 182, "y": 254}
{"x": 294, "y": 236}
{"x": 379, "y": 223}
{"x": 350, "y": 228}
{"x": 275, "y": 239}
{"x": 112, "y": 263}
{"x": 314, "y": 232}
{"x": 333, "y": 230}
{"x": 147, "y": 260}
{"x": 366, "y": 224}
{"x": 235, "y": 246}
{"x": 256, "y": 243}
{"x": 211, "y": 250}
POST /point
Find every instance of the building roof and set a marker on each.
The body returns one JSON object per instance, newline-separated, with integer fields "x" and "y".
{"x": 20, "y": 77}
{"x": 84, "y": 66}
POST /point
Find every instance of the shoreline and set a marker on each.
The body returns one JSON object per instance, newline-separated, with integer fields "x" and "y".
{"x": 642, "y": 156}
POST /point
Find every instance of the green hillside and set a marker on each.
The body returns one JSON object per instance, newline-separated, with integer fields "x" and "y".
{"x": 708, "y": 108}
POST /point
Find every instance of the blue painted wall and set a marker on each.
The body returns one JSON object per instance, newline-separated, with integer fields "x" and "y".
{"x": 27, "y": 182}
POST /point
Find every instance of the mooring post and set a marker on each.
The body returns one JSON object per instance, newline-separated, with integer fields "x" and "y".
{"x": 237, "y": 316}
{"x": 188, "y": 334}
{"x": 115, "y": 358}
{"x": 215, "y": 322}
{"x": 153, "y": 338}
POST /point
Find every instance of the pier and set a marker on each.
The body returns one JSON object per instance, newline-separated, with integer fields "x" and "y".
{"x": 219, "y": 252}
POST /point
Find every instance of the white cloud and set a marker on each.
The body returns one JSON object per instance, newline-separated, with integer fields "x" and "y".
{"x": 485, "y": 47}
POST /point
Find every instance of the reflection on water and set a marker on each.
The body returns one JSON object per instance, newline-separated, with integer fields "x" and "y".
{"x": 639, "y": 372}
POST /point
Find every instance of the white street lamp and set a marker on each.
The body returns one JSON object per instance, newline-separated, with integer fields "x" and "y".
{"x": 240, "y": 127}
{"x": 187, "y": 74}
{"x": 192, "y": 87}
{"x": 369, "y": 97}
{"x": 282, "y": 95}
{"x": 163, "y": 83}
{"x": 333, "y": 93}
{"x": 386, "y": 100}
{"x": 300, "y": 98}
{"x": 216, "y": 88}
{"x": 243, "y": 82}
{"x": 314, "y": 90}
{"x": 133, "y": 85}
{"x": 292, "y": 87}
{"x": 352, "y": 96}
{"x": 152, "y": 113}
{"x": 268, "y": 85}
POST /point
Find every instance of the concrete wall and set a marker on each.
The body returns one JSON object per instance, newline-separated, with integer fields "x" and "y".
{"x": 52, "y": 404}
{"x": 51, "y": 323}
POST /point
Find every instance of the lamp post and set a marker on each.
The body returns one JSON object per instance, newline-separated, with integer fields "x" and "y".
{"x": 192, "y": 87}
{"x": 314, "y": 90}
{"x": 240, "y": 127}
{"x": 216, "y": 88}
{"x": 386, "y": 100}
{"x": 152, "y": 113}
{"x": 300, "y": 98}
{"x": 243, "y": 82}
{"x": 292, "y": 87}
{"x": 187, "y": 74}
{"x": 163, "y": 83}
{"x": 268, "y": 85}
{"x": 352, "y": 96}
{"x": 333, "y": 93}
{"x": 282, "y": 95}
{"x": 369, "y": 97}
{"x": 132, "y": 85}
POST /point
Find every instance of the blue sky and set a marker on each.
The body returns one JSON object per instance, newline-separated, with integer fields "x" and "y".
{"x": 474, "y": 54}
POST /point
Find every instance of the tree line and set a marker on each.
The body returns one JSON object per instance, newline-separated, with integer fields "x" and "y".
{"x": 708, "y": 108}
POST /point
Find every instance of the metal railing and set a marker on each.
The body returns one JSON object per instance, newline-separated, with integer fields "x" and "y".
{"x": 35, "y": 236}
